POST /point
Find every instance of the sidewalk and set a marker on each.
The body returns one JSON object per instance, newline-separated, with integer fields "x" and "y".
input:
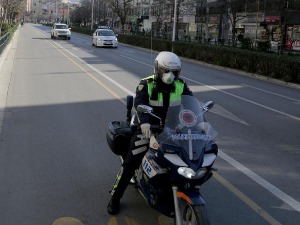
{"x": 6, "y": 67}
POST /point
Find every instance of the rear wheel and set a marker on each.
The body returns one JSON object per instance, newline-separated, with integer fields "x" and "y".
{"x": 193, "y": 214}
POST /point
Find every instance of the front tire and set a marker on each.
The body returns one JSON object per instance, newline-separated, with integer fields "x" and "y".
{"x": 193, "y": 214}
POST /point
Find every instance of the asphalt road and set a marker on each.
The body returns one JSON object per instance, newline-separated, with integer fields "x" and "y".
{"x": 57, "y": 97}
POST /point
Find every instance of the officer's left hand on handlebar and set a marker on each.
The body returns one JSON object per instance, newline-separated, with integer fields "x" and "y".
{"x": 145, "y": 127}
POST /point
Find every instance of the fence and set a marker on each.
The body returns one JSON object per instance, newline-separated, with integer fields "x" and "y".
{"x": 4, "y": 40}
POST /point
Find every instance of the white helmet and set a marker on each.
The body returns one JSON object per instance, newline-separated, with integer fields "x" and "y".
{"x": 165, "y": 63}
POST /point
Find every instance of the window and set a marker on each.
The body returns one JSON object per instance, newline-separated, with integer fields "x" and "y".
{"x": 105, "y": 33}
{"x": 61, "y": 27}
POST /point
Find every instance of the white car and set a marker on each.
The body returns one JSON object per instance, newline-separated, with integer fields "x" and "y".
{"x": 105, "y": 38}
{"x": 60, "y": 30}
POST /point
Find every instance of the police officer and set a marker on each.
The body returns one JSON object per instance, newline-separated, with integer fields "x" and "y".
{"x": 160, "y": 91}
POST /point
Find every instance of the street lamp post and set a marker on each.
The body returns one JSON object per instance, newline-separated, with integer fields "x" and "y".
{"x": 68, "y": 19}
{"x": 92, "y": 15}
{"x": 174, "y": 23}
{"x": 257, "y": 12}
{"x": 55, "y": 10}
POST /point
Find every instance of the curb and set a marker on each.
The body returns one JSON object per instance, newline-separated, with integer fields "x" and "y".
{"x": 6, "y": 68}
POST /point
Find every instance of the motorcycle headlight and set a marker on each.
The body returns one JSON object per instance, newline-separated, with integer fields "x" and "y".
{"x": 191, "y": 174}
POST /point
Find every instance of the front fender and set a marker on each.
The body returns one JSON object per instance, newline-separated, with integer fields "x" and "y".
{"x": 192, "y": 196}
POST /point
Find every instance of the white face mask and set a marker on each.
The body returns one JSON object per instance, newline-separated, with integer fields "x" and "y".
{"x": 168, "y": 78}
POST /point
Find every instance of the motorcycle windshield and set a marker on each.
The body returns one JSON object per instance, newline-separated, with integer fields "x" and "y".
{"x": 186, "y": 127}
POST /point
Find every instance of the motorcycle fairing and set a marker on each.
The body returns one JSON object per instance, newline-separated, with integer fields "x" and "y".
{"x": 175, "y": 159}
{"x": 150, "y": 167}
{"x": 187, "y": 133}
{"x": 191, "y": 196}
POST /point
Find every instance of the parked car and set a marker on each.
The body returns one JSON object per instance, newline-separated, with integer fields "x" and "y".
{"x": 60, "y": 30}
{"x": 104, "y": 37}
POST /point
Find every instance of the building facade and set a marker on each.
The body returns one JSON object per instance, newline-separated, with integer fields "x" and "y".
{"x": 51, "y": 10}
{"x": 209, "y": 20}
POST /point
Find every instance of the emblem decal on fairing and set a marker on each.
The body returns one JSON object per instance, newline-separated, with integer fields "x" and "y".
{"x": 188, "y": 118}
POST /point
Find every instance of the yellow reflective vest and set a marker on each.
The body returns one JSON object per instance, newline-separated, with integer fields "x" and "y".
{"x": 175, "y": 96}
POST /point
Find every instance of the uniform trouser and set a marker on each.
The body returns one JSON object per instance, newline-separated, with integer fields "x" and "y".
{"x": 137, "y": 150}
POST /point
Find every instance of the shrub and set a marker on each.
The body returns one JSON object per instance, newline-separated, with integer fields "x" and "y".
{"x": 246, "y": 43}
{"x": 263, "y": 45}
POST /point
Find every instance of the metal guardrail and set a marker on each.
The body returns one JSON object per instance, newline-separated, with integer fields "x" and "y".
{"x": 4, "y": 40}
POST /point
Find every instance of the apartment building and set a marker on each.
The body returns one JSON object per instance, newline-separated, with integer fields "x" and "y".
{"x": 52, "y": 10}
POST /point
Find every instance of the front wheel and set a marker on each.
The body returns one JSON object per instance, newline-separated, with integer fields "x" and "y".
{"x": 193, "y": 214}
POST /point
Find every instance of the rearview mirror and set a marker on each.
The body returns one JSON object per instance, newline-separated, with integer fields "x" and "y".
{"x": 208, "y": 105}
{"x": 147, "y": 109}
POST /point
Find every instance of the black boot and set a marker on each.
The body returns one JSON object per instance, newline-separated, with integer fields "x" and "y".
{"x": 113, "y": 206}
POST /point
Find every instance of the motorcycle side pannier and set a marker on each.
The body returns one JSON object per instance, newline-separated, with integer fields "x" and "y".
{"x": 118, "y": 137}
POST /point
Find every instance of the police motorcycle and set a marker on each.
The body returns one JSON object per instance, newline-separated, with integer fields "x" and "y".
{"x": 179, "y": 159}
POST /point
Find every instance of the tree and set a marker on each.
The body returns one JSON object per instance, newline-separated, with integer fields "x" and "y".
{"x": 101, "y": 10}
{"x": 82, "y": 14}
{"x": 281, "y": 6}
{"x": 121, "y": 8}
{"x": 161, "y": 9}
{"x": 9, "y": 10}
{"x": 237, "y": 10}
{"x": 197, "y": 7}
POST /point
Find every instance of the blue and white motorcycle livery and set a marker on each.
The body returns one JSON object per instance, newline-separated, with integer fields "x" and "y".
{"x": 179, "y": 160}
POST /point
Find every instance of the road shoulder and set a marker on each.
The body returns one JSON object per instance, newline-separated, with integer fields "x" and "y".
{"x": 7, "y": 59}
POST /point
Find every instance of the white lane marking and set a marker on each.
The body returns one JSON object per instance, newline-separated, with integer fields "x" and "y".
{"x": 136, "y": 60}
{"x": 129, "y": 51}
{"x": 268, "y": 186}
{"x": 247, "y": 100}
{"x": 283, "y": 96}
